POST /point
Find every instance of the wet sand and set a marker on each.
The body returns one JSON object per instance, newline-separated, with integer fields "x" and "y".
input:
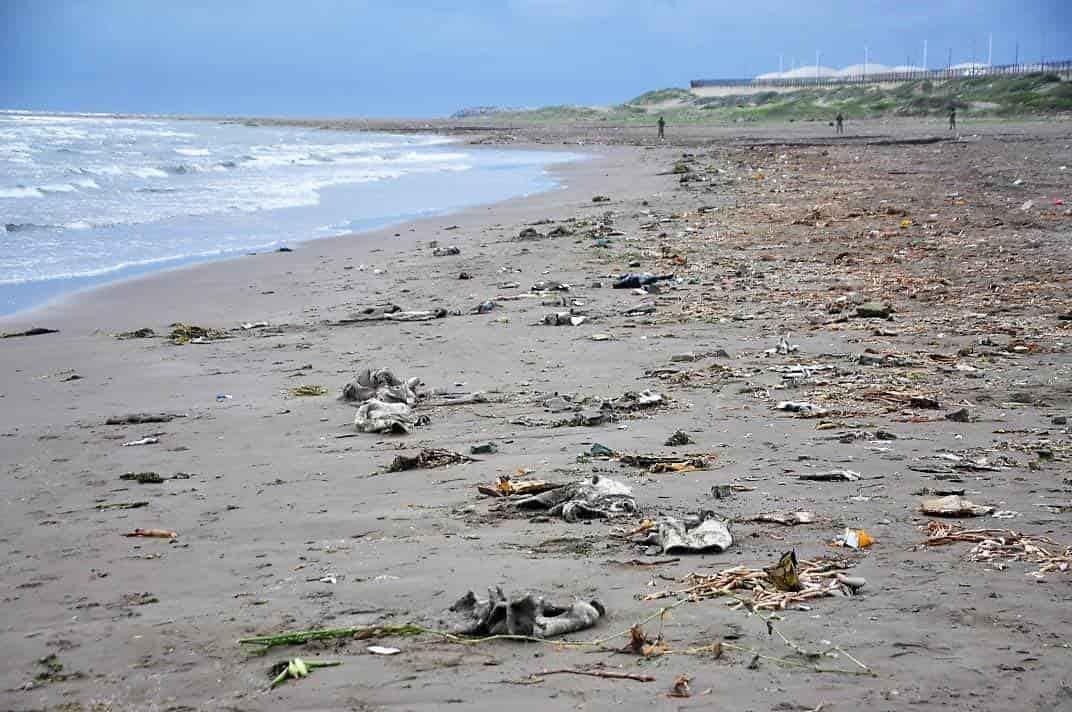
{"x": 284, "y": 525}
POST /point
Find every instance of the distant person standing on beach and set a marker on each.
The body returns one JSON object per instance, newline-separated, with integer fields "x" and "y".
{"x": 662, "y": 128}
{"x": 952, "y": 118}
{"x": 840, "y": 123}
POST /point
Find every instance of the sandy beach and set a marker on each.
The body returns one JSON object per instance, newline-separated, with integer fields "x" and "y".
{"x": 909, "y": 286}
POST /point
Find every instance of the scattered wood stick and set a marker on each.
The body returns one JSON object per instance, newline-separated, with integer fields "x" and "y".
{"x": 598, "y": 673}
{"x": 154, "y": 533}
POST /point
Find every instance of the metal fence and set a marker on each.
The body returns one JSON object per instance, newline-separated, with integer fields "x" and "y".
{"x": 1063, "y": 68}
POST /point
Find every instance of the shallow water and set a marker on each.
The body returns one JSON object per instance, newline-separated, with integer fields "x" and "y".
{"x": 86, "y": 200}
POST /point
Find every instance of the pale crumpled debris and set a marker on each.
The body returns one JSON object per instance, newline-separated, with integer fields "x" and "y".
{"x": 526, "y": 615}
{"x": 386, "y": 402}
{"x": 805, "y": 410}
{"x": 593, "y": 497}
{"x": 954, "y": 506}
{"x": 383, "y": 385}
{"x": 698, "y": 534}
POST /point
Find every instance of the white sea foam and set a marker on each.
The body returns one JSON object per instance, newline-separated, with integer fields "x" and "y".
{"x": 57, "y": 188}
{"x": 116, "y": 194}
{"x": 21, "y": 192}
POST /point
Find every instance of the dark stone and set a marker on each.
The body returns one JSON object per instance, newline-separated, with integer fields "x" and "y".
{"x": 874, "y": 310}
{"x": 959, "y": 416}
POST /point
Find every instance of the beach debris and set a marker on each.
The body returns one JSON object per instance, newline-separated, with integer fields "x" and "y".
{"x": 418, "y": 315}
{"x": 446, "y": 251}
{"x": 550, "y": 285}
{"x": 698, "y": 534}
{"x": 506, "y": 486}
{"x": 147, "y": 440}
{"x": 635, "y": 280}
{"x": 721, "y": 491}
{"x": 295, "y": 669}
{"x": 143, "y": 478}
{"x": 873, "y": 310}
{"x": 390, "y": 312}
{"x": 484, "y": 449}
{"x": 267, "y": 642}
{"x": 383, "y": 650}
{"x": 604, "y": 674}
{"x": 680, "y": 437}
{"x": 788, "y": 519}
{"x": 854, "y": 539}
{"x": 153, "y": 533}
{"x": 601, "y": 450}
{"x": 36, "y": 331}
{"x": 912, "y": 400}
{"x": 656, "y": 464}
{"x": 527, "y": 616}
{"x": 586, "y": 418}
{"x": 308, "y": 390}
{"x": 594, "y": 497}
{"x": 143, "y": 333}
{"x": 378, "y": 312}
{"x": 647, "y": 306}
{"x": 959, "y": 416}
{"x": 783, "y": 575}
{"x": 564, "y": 319}
{"x": 953, "y": 506}
{"x": 427, "y": 459}
{"x": 560, "y": 231}
{"x": 386, "y": 401}
{"x": 680, "y": 688}
{"x": 461, "y": 399}
{"x": 600, "y": 199}
{"x": 630, "y": 401}
{"x": 640, "y": 644}
{"x": 831, "y": 476}
{"x": 996, "y": 546}
{"x": 803, "y": 409}
{"x": 775, "y": 588}
{"x": 121, "y": 505}
{"x": 485, "y": 307}
{"x": 53, "y": 672}
{"x": 784, "y": 347}
{"x": 530, "y": 233}
{"x": 250, "y": 325}
{"x": 141, "y": 418}
{"x": 192, "y": 334}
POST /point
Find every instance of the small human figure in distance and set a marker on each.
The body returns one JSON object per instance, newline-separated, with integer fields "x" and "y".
{"x": 840, "y": 120}
{"x": 662, "y": 128}
{"x": 952, "y": 118}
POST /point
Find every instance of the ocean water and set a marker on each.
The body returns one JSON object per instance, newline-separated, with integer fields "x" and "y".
{"x": 90, "y": 199}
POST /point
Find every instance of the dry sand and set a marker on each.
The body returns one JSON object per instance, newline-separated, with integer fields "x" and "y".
{"x": 275, "y": 502}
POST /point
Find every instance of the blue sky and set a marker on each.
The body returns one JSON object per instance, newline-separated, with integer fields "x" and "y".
{"x": 408, "y": 58}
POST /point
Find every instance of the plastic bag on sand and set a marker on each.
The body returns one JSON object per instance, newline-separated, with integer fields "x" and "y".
{"x": 591, "y": 498}
{"x": 702, "y": 533}
{"x": 375, "y": 416}
{"x": 524, "y": 615}
{"x": 383, "y": 385}
{"x": 386, "y": 401}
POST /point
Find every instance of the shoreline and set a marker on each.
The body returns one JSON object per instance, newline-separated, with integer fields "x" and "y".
{"x": 78, "y": 304}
